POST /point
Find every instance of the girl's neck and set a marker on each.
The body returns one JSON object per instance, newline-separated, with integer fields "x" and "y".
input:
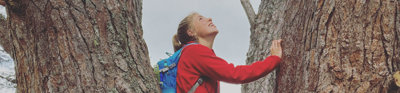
{"x": 206, "y": 42}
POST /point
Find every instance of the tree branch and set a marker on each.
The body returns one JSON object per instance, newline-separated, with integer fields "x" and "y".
{"x": 251, "y": 15}
{"x": 9, "y": 79}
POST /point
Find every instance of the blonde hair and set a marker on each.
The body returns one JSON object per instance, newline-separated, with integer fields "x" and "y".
{"x": 182, "y": 37}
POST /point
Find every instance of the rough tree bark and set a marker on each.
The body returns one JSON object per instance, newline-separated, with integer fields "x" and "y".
{"x": 337, "y": 46}
{"x": 76, "y": 46}
{"x": 264, "y": 29}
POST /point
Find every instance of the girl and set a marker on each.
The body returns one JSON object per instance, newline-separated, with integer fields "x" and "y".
{"x": 199, "y": 60}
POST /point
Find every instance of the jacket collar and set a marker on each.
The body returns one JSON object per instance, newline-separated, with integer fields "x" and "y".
{"x": 191, "y": 42}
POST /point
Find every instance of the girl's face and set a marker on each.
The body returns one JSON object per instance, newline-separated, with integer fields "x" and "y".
{"x": 204, "y": 27}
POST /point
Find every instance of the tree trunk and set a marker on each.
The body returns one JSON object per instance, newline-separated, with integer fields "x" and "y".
{"x": 77, "y": 46}
{"x": 337, "y": 46}
{"x": 264, "y": 29}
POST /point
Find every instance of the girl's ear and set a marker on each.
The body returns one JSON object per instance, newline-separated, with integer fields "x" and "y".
{"x": 191, "y": 33}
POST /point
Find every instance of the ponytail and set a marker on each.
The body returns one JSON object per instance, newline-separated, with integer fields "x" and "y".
{"x": 181, "y": 37}
{"x": 175, "y": 42}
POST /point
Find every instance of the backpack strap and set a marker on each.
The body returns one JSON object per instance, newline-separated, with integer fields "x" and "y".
{"x": 180, "y": 53}
{"x": 199, "y": 81}
{"x": 197, "y": 84}
{"x": 189, "y": 44}
{"x": 174, "y": 64}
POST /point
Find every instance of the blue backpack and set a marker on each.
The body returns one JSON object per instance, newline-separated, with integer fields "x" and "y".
{"x": 168, "y": 69}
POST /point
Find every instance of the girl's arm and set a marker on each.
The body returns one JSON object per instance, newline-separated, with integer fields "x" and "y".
{"x": 206, "y": 63}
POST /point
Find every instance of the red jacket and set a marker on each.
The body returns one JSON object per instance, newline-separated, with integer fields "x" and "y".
{"x": 198, "y": 60}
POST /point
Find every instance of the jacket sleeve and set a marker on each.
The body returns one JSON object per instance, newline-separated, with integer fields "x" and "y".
{"x": 208, "y": 64}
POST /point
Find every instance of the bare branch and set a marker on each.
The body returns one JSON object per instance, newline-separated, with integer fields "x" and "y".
{"x": 9, "y": 79}
{"x": 251, "y": 15}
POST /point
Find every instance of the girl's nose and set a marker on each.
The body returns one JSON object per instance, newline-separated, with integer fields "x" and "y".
{"x": 210, "y": 19}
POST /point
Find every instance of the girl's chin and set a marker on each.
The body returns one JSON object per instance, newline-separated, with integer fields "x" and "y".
{"x": 214, "y": 32}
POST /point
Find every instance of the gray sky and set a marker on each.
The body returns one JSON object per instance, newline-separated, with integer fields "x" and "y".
{"x": 161, "y": 19}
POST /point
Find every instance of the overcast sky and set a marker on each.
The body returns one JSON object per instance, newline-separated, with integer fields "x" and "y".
{"x": 161, "y": 18}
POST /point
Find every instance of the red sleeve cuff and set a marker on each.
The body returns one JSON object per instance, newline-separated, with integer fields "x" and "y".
{"x": 274, "y": 57}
